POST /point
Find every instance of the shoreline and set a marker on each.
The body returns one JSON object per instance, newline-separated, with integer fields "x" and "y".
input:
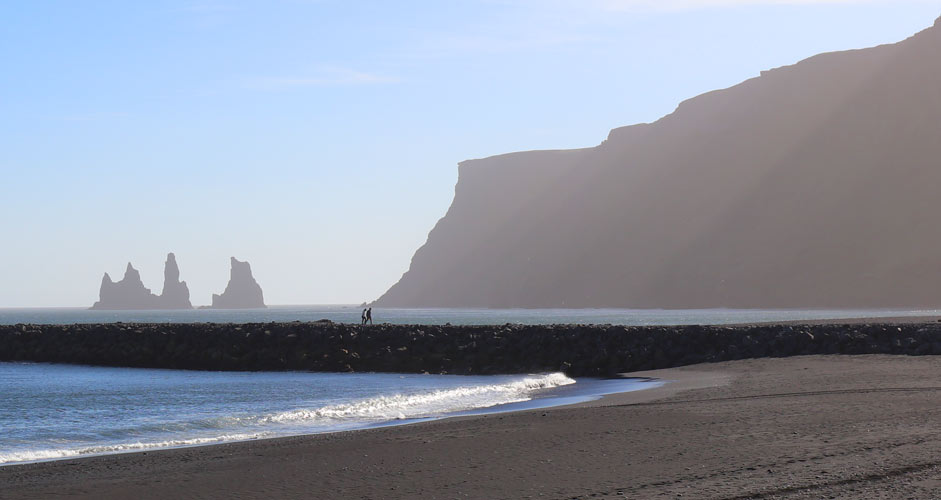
{"x": 679, "y": 382}
{"x": 556, "y": 398}
{"x": 801, "y": 427}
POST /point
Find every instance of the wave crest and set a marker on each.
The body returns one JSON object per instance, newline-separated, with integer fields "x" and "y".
{"x": 48, "y": 454}
{"x": 418, "y": 405}
{"x": 331, "y": 417}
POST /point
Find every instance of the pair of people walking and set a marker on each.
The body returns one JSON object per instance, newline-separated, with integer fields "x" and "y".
{"x": 367, "y": 316}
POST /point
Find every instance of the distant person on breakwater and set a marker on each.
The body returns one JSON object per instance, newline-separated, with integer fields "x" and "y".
{"x": 369, "y": 315}
{"x": 362, "y": 318}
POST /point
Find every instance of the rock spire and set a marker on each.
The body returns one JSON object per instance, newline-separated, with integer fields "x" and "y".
{"x": 242, "y": 292}
{"x": 130, "y": 293}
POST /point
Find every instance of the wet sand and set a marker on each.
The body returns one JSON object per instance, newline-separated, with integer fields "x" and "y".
{"x": 804, "y": 427}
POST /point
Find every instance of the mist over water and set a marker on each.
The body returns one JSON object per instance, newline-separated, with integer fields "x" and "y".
{"x": 61, "y": 411}
{"x": 351, "y": 314}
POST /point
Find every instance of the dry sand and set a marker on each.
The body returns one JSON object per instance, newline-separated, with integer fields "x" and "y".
{"x": 805, "y": 427}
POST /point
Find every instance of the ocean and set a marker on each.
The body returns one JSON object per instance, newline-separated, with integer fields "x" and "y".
{"x": 53, "y": 411}
{"x": 50, "y": 412}
{"x": 351, "y": 314}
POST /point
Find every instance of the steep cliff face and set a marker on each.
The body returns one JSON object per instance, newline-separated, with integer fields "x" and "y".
{"x": 242, "y": 292}
{"x": 813, "y": 185}
{"x": 130, "y": 292}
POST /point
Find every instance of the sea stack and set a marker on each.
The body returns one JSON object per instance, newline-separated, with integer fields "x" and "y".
{"x": 130, "y": 292}
{"x": 176, "y": 295}
{"x": 242, "y": 292}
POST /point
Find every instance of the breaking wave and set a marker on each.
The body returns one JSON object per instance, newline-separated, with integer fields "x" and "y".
{"x": 52, "y": 453}
{"x": 395, "y": 405}
{"x": 418, "y": 405}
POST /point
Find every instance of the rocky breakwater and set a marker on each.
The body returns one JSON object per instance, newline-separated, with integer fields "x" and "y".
{"x": 331, "y": 347}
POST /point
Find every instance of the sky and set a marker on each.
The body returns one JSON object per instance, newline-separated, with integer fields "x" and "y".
{"x": 319, "y": 139}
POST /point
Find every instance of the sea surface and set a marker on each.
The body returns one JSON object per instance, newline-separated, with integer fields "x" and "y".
{"x": 50, "y": 411}
{"x": 351, "y": 314}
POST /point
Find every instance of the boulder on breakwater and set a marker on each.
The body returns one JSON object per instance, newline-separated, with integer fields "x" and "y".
{"x": 578, "y": 350}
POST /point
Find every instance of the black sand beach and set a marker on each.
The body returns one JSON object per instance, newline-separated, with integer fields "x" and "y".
{"x": 801, "y": 427}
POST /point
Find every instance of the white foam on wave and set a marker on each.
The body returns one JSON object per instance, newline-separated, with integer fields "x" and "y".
{"x": 362, "y": 412}
{"x": 52, "y": 454}
{"x": 425, "y": 404}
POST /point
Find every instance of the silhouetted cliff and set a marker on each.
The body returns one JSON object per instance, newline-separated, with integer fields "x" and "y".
{"x": 242, "y": 292}
{"x": 130, "y": 292}
{"x": 176, "y": 295}
{"x": 813, "y": 185}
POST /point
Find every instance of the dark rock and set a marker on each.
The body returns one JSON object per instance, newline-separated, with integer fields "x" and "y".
{"x": 130, "y": 292}
{"x": 242, "y": 292}
{"x": 659, "y": 240}
{"x": 317, "y": 346}
{"x": 175, "y": 295}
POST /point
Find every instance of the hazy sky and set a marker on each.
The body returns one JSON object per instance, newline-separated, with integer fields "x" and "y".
{"x": 319, "y": 139}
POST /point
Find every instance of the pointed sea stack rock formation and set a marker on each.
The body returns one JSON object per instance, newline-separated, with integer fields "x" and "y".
{"x": 810, "y": 186}
{"x": 129, "y": 293}
{"x": 176, "y": 295}
{"x": 242, "y": 292}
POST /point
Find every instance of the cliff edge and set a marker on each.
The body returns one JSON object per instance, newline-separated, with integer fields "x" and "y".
{"x": 812, "y": 185}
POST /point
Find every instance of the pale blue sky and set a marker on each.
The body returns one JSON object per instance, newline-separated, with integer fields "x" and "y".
{"x": 319, "y": 139}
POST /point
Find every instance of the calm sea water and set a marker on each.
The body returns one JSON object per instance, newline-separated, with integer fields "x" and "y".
{"x": 59, "y": 411}
{"x": 351, "y": 314}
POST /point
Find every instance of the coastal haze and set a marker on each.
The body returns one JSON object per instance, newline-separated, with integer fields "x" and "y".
{"x": 813, "y": 185}
{"x": 456, "y": 316}
{"x": 130, "y": 293}
{"x": 736, "y": 297}
{"x": 319, "y": 141}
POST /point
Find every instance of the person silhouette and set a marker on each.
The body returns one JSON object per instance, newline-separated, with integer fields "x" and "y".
{"x": 362, "y": 318}
{"x": 369, "y": 315}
